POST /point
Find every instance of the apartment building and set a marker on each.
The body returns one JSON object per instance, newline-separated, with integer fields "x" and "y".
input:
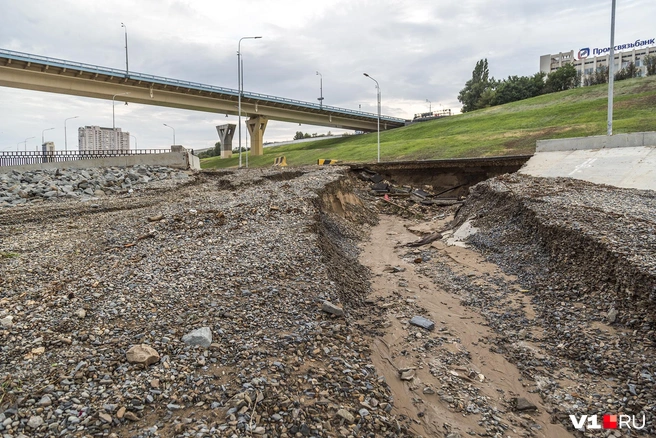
{"x": 96, "y": 138}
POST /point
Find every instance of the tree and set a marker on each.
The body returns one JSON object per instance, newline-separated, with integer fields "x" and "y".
{"x": 598, "y": 77}
{"x": 628, "y": 72}
{"x": 470, "y": 96}
{"x": 650, "y": 62}
{"x": 564, "y": 78}
{"x": 212, "y": 152}
{"x": 298, "y": 135}
{"x": 518, "y": 88}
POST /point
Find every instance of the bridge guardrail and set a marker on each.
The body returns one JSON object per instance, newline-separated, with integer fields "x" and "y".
{"x": 55, "y": 62}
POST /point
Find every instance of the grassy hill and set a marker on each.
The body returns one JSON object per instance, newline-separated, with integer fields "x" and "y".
{"x": 509, "y": 129}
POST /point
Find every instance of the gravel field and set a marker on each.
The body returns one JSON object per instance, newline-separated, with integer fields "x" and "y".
{"x": 234, "y": 304}
{"x": 237, "y": 253}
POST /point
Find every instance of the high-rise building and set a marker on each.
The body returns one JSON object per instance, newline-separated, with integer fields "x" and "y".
{"x": 96, "y": 138}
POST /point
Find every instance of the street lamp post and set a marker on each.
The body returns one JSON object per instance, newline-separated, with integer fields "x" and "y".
{"x": 126, "y": 49}
{"x": 430, "y": 108}
{"x": 42, "y": 135}
{"x": 113, "y": 104}
{"x": 320, "y": 99}
{"x": 611, "y": 65}
{"x": 240, "y": 84}
{"x": 173, "y": 132}
{"x": 378, "y": 94}
{"x": 65, "y": 136}
{"x": 135, "y": 141}
{"x": 25, "y": 143}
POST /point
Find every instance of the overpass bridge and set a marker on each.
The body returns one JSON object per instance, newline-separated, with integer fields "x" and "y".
{"x": 40, "y": 73}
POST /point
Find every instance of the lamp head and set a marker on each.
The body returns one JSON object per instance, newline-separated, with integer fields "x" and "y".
{"x": 365, "y": 74}
{"x": 257, "y": 37}
{"x": 122, "y": 25}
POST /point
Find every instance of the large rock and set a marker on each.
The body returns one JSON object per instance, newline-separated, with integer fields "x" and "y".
{"x": 7, "y": 322}
{"x": 142, "y": 354}
{"x": 422, "y": 322}
{"x": 329, "y": 307}
{"x": 521, "y": 404}
{"x": 35, "y": 422}
{"x": 201, "y": 336}
{"x": 346, "y": 415}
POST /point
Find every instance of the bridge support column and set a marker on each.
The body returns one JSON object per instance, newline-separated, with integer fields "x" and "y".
{"x": 256, "y": 126}
{"x": 225, "y": 136}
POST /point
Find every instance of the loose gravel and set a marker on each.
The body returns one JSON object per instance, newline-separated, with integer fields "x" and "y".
{"x": 586, "y": 255}
{"x": 243, "y": 257}
{"x": 242, "y": 303}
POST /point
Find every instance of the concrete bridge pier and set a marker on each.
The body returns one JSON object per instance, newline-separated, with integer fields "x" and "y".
{"x": 226, "y": 133}
{"x": 256, "y": 126}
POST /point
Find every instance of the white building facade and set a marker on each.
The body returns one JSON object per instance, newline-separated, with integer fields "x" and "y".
{"x": 588, "y": 61}
{"x": 96, "y": 138}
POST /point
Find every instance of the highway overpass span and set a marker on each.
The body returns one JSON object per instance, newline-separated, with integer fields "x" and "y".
{"x": 40, "y": 73}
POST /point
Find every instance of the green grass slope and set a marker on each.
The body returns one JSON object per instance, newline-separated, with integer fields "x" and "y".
{"x": 509, "y": 129}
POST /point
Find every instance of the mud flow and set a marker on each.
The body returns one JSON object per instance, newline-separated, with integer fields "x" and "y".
{"x": 530, "y": 301}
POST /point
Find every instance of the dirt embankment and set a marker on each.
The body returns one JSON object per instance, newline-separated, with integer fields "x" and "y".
{"x": 549, "y": 314}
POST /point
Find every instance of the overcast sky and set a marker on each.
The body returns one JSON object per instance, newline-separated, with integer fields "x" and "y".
{"x": 416, "y": 49}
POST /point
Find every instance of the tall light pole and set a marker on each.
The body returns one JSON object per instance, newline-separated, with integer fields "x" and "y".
{"x": 25, "y": 143}
{"x": 42, "y": 135}
{"x": 611, "y": 65}
{"x": 126, "y": 49}
{"x": 173, "y": 132}
{"x": 240, "y": 83}
{"x": 135, "y": 141}
{"x": 430, "y": 109}
{"x": 113, "y": 102}
{"x": 320, "y": 99}
{"x": 65, "y": 137}
{"x": 378, "y": 93}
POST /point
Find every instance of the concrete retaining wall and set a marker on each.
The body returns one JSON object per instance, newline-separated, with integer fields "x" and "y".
{"x": 636, "y": 139}
{"x": 623, "y": 160}
{"x": 176, "y": 160}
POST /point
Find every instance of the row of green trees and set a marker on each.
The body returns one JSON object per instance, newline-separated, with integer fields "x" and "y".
{"x": 213, "y": 152}
{"x": 483, "y": 91}
{"x": 300, "y": 135}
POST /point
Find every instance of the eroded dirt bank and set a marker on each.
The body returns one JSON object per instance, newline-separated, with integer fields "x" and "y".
{"x": 554, "y": 304}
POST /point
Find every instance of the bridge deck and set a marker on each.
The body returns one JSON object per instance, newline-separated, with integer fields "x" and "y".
{"x": 35, "y": 72}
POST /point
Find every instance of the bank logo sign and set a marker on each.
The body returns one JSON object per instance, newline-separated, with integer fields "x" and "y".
{"x": 584, "y": 53}
{"x": 637, "y": 44}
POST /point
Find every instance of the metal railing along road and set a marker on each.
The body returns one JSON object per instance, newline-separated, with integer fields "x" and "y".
{"x": 54, "y": 62}
{"x": 34, "y": 157}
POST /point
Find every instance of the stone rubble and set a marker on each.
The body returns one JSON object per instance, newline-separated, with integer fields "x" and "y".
{"x": 257, "y": 257}
{"x": 585, "y": 256}
{"x": 21, "y": 187}
{"x": 248, "y": 255}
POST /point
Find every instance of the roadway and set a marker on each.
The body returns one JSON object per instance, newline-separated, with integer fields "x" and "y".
{"x": 40, "y": 73}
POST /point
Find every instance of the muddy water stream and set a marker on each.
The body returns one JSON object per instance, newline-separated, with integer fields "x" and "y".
{"x": 454, "y": 385}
